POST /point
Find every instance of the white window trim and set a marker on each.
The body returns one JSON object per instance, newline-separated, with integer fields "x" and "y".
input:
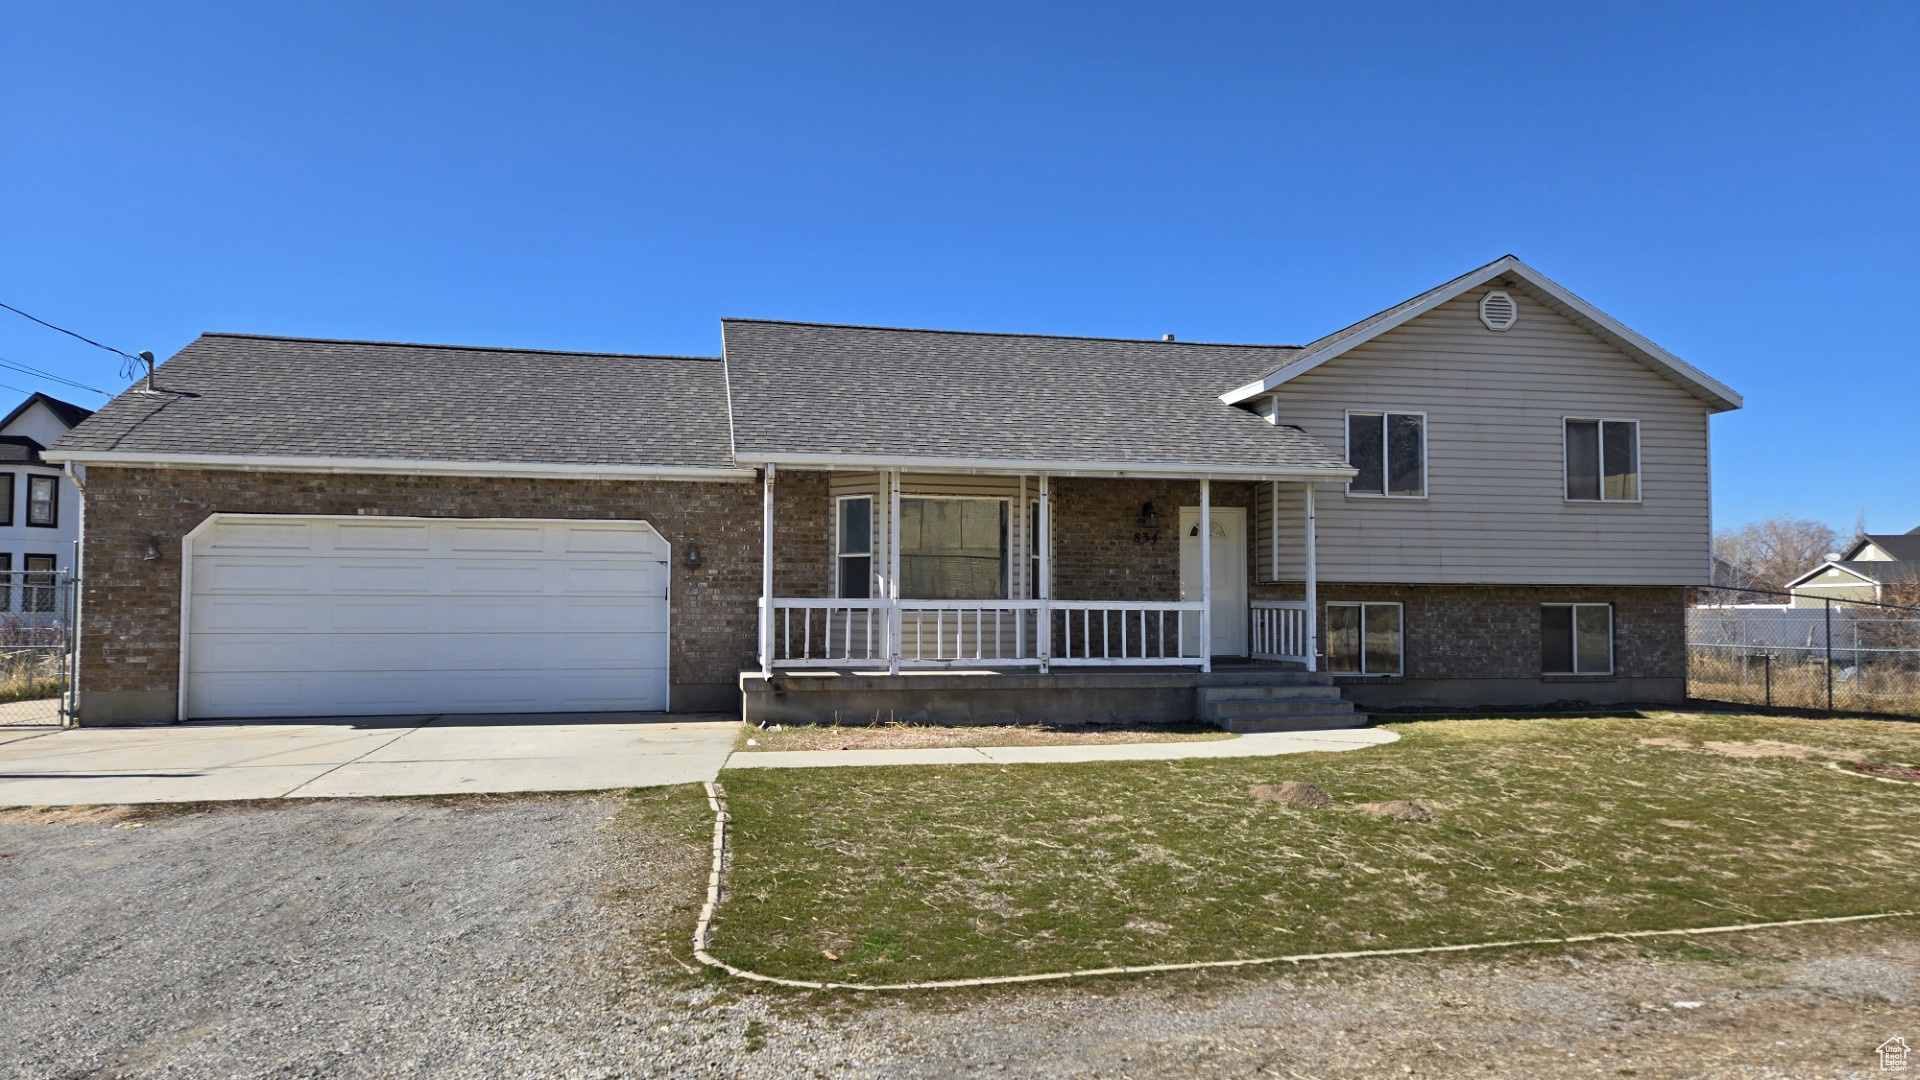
{"x": 1574, "y": 627}
{"x": 838, "y": 555}
{"x": 1639, "y": 462}
{"x": 1362, "y": 605}
{"x": 1426, "y": 465}
{"x": 1006, "y": 553}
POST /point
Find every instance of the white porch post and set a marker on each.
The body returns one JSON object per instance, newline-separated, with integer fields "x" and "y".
{"x": 1313, "y": 590}
{"x": 766, "y": 572}
{"x": 1043, "y": 588}
{"x": 1206, "y": 575}
{"x": 893, "y": 572}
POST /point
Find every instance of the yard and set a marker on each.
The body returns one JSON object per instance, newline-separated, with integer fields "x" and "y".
{"x": 1538, "y": 828}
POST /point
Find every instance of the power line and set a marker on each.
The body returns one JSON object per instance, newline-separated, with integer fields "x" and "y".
{"x": 50, "y": 376}
{"x": 71, "y": 334}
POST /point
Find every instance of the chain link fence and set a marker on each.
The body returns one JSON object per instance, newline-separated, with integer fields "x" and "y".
{"x": 36, "y": 648}
{"x": 1760, "y": 647}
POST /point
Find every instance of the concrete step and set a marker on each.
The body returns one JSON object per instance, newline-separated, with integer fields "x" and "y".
{"x": 1249, "y": 710}
{"x": 1313, "y": 692}
{"x": 1255, "y": 676}
{"x": 1299, "y": 722}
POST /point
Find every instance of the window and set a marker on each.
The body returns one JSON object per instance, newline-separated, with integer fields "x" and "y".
{"x": 6, "y": 492}
{"x": 953, "y": 549}
{"x": 854, "y": 564}
{"x": 36, "y": 593}
{"x": 1603, "y": 460}
{"x": 1576, "y": 639}
{"x": 1364, "y": 639}
{"x": 6, "y": 581}
{"x": 1033, "y": 551}
{"x": 1390, "y": 451}
{"x": 43, "y": 500}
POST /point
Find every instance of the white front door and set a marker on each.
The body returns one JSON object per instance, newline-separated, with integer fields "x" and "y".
{"x": 1229, "y": 573}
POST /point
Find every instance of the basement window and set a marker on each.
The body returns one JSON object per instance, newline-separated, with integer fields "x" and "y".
{"x": 1365, "y": 639}
{"x": 1576, "y": 639}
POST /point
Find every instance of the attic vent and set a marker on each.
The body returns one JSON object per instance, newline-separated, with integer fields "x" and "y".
{"x": 1498, "y": 311}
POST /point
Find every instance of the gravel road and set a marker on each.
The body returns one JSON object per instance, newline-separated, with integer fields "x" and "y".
{"x": 518, "y": 937}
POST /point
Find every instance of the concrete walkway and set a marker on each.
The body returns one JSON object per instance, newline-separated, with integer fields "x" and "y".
{"x": 1269, "y": 744}
{"x": 394, "y": 755}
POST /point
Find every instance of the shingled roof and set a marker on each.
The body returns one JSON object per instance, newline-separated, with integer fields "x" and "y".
{"x": 810, "y": 393}
{"x": 242, "y": 395}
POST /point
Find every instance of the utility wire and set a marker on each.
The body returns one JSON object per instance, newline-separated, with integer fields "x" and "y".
{"x": 70, "y": 333}
{"x": 14, "y": 365}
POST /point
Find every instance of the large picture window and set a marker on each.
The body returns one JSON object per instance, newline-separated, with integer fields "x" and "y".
{"x": 1365, "y": 639}
{"x": 1603, "y": 460}
{"x": 1390, "y": 451}
{"x": 853, "y": 564}
{"x": 1576, "y": 639}
{"x": 953, "y": 549}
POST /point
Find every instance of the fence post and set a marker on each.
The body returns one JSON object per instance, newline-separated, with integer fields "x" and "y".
{"x": 1766, "y": 660}
{"x": 1829, "y": 644}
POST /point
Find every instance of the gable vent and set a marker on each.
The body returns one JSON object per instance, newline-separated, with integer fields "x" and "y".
{"x": 1498, "y": 311}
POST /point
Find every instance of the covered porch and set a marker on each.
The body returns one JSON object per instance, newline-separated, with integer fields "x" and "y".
{"x": 981, "y": 571}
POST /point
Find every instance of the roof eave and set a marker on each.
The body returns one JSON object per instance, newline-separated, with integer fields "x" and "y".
{"x": 1055, "y": 467}
{"x": 396, "y": 466}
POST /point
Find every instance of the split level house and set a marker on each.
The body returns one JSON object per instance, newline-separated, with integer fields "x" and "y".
{"x": 1492, "y": 493}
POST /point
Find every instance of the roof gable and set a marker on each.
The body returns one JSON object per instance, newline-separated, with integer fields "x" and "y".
{"x": 1717, "y": 396}
{"x": 65, "y": 412}
{"x": 1897, "y": 547}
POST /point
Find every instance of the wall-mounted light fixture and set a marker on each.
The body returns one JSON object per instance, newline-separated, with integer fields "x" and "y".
{"x": 153, "y": 548}
{"x": 693, "y": 556}
{"x": 1148, "y": 519}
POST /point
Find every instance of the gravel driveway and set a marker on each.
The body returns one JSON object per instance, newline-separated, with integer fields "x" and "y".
{"x": 512, "y": 936}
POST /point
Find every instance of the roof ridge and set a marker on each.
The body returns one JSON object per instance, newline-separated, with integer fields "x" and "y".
{"x": 1002, "y": 333}
{"x": 457, "y": 348}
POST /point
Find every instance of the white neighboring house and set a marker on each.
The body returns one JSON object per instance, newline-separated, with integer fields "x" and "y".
{"x": 39, "y": 505}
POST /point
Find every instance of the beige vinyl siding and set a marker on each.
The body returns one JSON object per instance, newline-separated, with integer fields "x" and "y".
{"x": 1496, "y": 511}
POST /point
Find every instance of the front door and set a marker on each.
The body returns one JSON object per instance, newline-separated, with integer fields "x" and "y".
{"x": 1229, "y": 573}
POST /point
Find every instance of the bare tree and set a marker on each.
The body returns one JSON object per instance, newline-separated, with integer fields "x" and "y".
{"x": 1778, "y": 549}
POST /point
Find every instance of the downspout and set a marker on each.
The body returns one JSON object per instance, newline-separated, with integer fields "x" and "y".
{"x": 77, "y": 474}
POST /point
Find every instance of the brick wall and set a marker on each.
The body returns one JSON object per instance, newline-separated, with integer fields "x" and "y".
{"x": 1493, "y": 631}
{"x": 1100, "y": 552}
{"x": 131, "y": 632}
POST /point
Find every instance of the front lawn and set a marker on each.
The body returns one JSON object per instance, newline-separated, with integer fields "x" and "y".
{"x": 1540, "y": 827}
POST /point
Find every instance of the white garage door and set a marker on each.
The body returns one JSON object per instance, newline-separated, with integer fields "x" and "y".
{"x": 364, "y": 616}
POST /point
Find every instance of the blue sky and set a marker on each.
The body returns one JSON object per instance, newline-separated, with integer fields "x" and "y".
{"x": 1735, "y": 181}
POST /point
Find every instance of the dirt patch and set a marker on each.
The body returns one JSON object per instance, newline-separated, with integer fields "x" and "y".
{"x": 1763, "y": 748}
{"x": 1396, "y": 810}
{"x": 77, "y": 815}
{"x": 1670, "y": 744}
{"x": 1292, "y": 793}
{"x": 1901, "y": 773}
{"x": 918, "y": 736}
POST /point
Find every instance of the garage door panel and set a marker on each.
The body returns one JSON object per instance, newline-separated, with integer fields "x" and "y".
{"x": 382, "y": 577}
{"x": 320, "y": 617}
{"x": 359, "y": 536}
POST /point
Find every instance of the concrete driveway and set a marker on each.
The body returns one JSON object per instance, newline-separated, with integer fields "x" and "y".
{"x": 393, "y": 755}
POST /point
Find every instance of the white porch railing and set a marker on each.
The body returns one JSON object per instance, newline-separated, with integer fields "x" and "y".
{"x": 1121, "y": 632}
{"x": 984, "y": 633}
{"x": 1279, "y": 631}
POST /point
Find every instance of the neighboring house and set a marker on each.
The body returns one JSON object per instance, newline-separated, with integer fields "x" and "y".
{"x": 1866, "y": 571}
{"x": 39, "y": 506}
{"x": 1491, "y": 493}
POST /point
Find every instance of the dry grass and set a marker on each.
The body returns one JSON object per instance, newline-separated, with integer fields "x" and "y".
{"x": 1885, "y": 689}
{"x": 1540, "y": 827}
{"x": 915, "y": 736}
{"x": 30, "y": 675}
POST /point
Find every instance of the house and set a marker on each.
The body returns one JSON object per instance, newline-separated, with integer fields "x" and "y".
{"x": 1870, "y": 568}
{"x": 39, "y": 507}
{"x": 1492, "y": 493}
